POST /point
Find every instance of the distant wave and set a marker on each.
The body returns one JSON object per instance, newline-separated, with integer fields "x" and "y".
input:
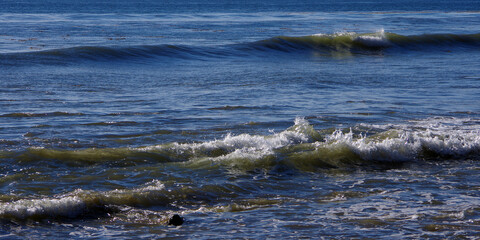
{"x": 368, "y": 43}
{"x": 338, "y": 43}
{"x": 106, "y": 53}
{"x": 231, "y": 108}
{"x": 32, "y": 115}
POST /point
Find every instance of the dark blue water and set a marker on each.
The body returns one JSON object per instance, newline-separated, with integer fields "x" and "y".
{"x": 202, "y": 6}
{"x": 331, "y": 119}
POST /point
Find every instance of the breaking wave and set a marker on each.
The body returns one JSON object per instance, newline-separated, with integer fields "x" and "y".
{"x": 299, "y": 147}
{"x": 371, "y": 42}
{"x": 82, "y": 203}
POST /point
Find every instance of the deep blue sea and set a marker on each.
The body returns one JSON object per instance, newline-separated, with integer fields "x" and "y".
{"x": 281, "y": 119}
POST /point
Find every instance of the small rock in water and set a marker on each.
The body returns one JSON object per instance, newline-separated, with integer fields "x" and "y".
{"x": 175, "y": 220}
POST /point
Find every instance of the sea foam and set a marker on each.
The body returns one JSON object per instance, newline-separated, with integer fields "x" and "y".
{"x": 81, "y": 202}
{"x": 377, "y": 39}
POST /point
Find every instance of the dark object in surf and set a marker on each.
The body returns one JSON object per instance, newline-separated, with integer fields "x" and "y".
{"x": 175, "y": 220}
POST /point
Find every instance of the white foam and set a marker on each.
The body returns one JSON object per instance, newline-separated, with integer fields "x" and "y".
{"x": 70, "y": 206}
{"x": 336, "y": 34}
{"x": 244, "y": 145}
{"x": 395, "y": 142}
{"x": 448, "y": 137}
{"x": 154, "y": 185}
{"x": 75, "y": 203}
{"x": 376, "y": 40}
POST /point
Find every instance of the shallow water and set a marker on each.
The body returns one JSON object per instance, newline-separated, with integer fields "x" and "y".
{"x": 252, "y": 120}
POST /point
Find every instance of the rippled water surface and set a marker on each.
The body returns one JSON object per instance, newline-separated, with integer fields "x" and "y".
{"x": 330, "y": 119}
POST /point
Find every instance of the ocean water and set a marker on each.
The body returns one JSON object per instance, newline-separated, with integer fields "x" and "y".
{"x": 249, "y": 119}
